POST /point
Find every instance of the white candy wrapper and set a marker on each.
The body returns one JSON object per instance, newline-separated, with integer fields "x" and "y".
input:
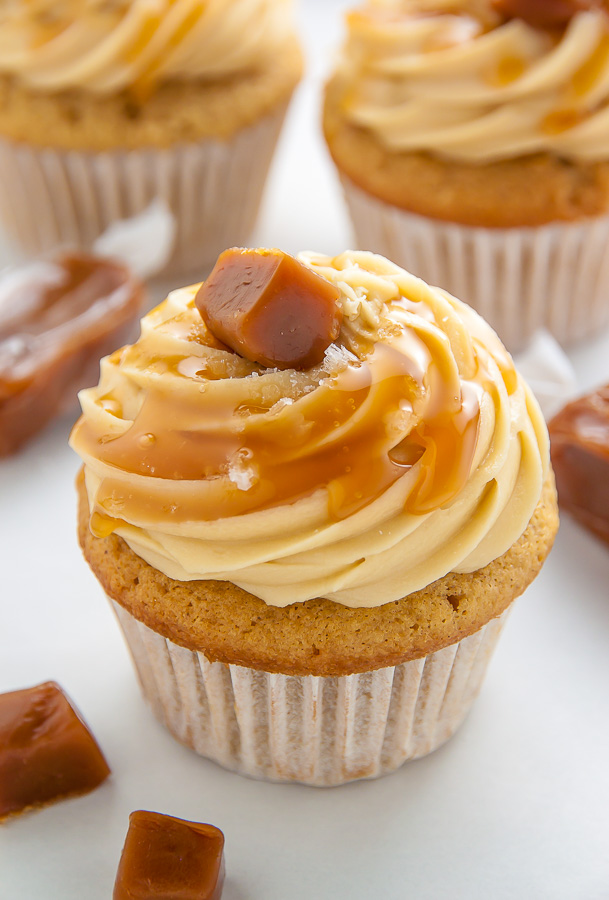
{"x": 310, "y": 729}
{"x": 521, "y": 280}
{"x": 549, "y": 373}
{"x": 51, "y": 198}
{"x": 144, "y": 243}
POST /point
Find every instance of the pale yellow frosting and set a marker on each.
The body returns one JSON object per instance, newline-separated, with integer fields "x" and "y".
{"x": 453, "y": 79}
{"x": 106, "y": 46}
{"x": 424, "y": 450}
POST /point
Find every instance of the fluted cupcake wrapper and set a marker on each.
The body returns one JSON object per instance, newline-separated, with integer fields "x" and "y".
{"x": 553, "y": 277}
{"x": 53, "y": 198}
{"x": 310, "y": 729}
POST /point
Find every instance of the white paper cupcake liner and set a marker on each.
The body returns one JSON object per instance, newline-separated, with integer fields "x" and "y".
{"x": 521, "y": 280}
{"x": 310, "y": 729}
{"x": 53, "y": 198}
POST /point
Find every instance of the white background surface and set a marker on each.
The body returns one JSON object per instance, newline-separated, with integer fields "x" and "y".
{"x": 515, "y": 806}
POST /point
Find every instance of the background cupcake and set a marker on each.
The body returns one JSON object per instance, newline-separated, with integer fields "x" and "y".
{"x": 108, "y": 104}
{"x": 311, "y": 566}
{"x": 472, "y": 139}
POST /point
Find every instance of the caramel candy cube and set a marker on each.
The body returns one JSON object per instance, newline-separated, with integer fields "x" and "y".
{"x": 167, "y": 858}
{"x": 57, "y": 318}
{"x": 46, "y": 750}
{"x": 270, "y": 308}
{"x": 579, "y": 441}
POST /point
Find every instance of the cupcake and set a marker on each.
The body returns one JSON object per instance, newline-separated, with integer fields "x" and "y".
{"x": 312, "y": 557}
{"x": 472, "y": 140}
{"x": 106, "y": 105}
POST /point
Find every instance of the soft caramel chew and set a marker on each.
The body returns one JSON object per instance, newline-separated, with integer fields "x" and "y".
{"x": 579, "y": 437}
{"x": 47, "y": 752}
{"x": 53, "y": 332}
{"x": 270, "y": 308}
{"x": 317, "y": 637}
{"x": 166, "y": 857}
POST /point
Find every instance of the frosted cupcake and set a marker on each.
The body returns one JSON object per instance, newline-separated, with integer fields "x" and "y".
{"x": 312, "y": 562}
{"x": 472, "y": 139}
{"x": 106, "y": 105}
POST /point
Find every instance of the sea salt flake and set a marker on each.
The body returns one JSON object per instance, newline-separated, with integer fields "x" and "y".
{"x": 242, "y": 472}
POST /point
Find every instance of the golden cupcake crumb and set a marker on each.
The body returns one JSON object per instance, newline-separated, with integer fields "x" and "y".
{"x": 317, "y": 637}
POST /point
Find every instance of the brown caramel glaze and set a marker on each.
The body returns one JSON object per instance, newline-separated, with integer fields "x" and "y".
{"x": 544, "y": 13}
{"x": 57, "y": 318}
{"x": 579, "y": 441}
{"x": 166, "y": 857}
{"x": 47, "y": 752}
{"x": 339, "y": 448}
{"x": 270, "y": 308}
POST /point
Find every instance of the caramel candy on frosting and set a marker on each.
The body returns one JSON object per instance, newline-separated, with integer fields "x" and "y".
{"x": 57, "y": 318}
{"x": 166, "y": 857}
{"x": 270, "y": 308}
{"x": 579, "y": 441}
{"x": 46, "y": 750}
{"x": 544, "y": 13}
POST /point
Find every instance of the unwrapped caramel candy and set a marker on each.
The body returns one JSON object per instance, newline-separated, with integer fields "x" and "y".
{"x": 544, "y": 13}
{"x": 270, "y": 308}
{"x": 166, "y": 858}
{"x": 57, "y": 318}
{"x": 47, "y": 752}
{"x": 579, "y": 441}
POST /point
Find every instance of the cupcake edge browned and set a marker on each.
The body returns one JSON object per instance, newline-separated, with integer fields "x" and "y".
{"x": 488, "y": 195}
{"x": 318, "y": 637}
{"x": 178, "y": 112}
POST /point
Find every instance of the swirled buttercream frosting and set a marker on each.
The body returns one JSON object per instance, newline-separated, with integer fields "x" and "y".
{"x": 454, "y": 79}
{"x": 106, "y": 46}
{"x": 412, "y": 450}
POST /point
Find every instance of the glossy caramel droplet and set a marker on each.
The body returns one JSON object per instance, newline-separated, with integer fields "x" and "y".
{"x": 544, "y": 13}
{"x": 270, "y": 308}
{"x": 168, "y": 857}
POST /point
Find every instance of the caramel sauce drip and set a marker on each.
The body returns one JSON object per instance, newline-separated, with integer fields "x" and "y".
{"x": 588, "y": 75}
{"x": 145, "y": 85}
{"x": 561, "y": 120}
{"x": 507, "y": 70}
{"x": 448, "y": 444}
{"x": 148, "y": 29}
{"x": 338, "y": 436}
{"x": 45, "y": 33}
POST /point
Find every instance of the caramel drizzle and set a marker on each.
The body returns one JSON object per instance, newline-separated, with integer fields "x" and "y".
{"x": 337, "y": 437}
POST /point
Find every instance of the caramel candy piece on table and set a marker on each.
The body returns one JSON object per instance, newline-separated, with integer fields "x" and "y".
{"x": 270, "y": 308}
{"x": 47, "y": 752}
{"x": 167, "y": 858}
{"x": 579, "y": 441}
{"x": 544, "y": 13}
{"x": 57, "y": 318}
